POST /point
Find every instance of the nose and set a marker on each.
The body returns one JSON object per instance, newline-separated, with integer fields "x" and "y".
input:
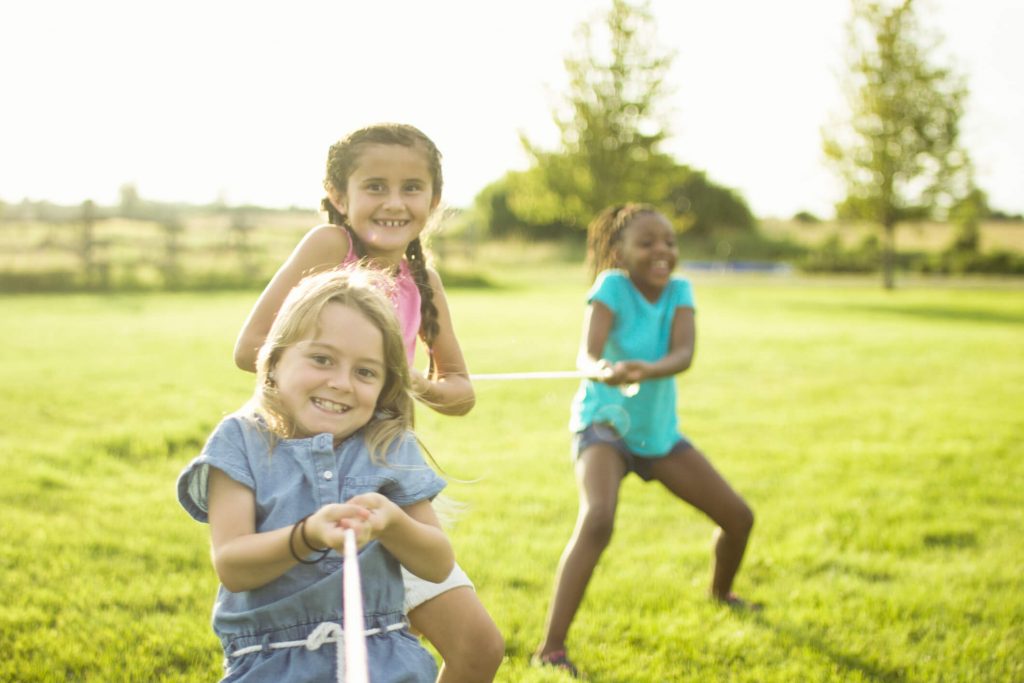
{"x": 340, "y": 380}
{"x": 393, "y": 200}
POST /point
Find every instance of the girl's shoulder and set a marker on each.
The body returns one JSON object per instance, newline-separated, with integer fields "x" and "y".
{"x": 434, "y": 279}
{"x": 609, "y": 282}
{"x": 241, "y": 427}
{"x": 404, "y": 450}
{"x": 327, "y": 239}
{"x": 681, "y": 291}
{"x": 680, "y": 281}
{"x": 613, "y": 275}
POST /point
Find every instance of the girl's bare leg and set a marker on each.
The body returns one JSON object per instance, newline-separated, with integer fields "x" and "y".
{"x": 466, "y": 637}
{"x": 599, "y": 472}
{"x": 689, "y": 475}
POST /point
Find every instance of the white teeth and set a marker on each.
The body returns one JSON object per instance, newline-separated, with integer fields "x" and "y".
{"x": 392, "y": 224}
{"x": 324, "y": 404}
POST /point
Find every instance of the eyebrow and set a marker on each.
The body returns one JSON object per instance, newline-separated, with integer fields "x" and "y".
{"x": 382, "y": 179}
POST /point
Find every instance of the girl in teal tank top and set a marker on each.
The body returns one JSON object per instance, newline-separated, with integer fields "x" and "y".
{"x": 640, "y": 329}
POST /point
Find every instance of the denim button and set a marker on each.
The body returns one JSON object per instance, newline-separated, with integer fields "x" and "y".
{"x": 328, "y": 475}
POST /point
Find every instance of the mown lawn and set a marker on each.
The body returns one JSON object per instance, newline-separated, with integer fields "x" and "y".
{"x": 877, "y": 436}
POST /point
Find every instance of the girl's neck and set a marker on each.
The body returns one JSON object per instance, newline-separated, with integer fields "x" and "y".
{"x": 652, "y": 294}
{"x": 389, "y": 265}
{"x": 389, "y": 261}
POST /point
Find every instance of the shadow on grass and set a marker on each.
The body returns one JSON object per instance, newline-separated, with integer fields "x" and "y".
{"x": 803, "y": 636}
{"x": 935, "y": 313}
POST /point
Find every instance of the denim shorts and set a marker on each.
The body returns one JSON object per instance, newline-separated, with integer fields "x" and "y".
{"x": 599, "y": 433}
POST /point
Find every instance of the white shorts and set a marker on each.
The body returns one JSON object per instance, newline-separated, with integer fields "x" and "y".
{"x": 418, "y": 591}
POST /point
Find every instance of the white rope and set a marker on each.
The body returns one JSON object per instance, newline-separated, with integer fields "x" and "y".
{"x": 627, "y": 390}
{"x": 355, "y": 636}
{"x": 557, "y": 374}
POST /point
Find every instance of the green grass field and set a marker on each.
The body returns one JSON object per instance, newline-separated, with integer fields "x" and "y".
{"x": 877, "y": 436}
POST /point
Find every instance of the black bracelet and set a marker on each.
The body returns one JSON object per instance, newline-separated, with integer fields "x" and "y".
{"x": 301, "y": 526}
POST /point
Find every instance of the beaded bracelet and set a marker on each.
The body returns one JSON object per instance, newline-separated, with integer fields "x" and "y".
{"x": 301, "y": 526}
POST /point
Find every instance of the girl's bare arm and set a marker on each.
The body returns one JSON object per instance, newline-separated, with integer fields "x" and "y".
{"x": 246, "y": 559}
{"x": 681, "y": 347}
{"x": 324, "y": 247}
{"x": 449, "y": 390}
{"x": 597, "y": 326}
{"x": 242, "y": 558}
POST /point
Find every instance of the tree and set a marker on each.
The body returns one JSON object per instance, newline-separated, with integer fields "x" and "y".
{"x": 898, "y": 153}
{"x": 611, "y": 123}
{"x": 966, "y": 217}
{"x": 130, "y": 200}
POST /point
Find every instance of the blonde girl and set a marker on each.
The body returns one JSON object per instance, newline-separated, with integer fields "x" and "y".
{"x": 324, "y": 445}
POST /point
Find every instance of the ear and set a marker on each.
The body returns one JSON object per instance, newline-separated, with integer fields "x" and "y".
{"x": 339, "y": 200}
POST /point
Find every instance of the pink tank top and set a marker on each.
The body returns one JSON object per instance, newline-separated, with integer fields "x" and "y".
{"x": 406, "y": 298}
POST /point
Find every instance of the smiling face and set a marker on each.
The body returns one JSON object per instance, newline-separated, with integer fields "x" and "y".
{"x": 647, "y": 251}
{"x": 330, "y": 380}
{"x": 388, "y": 198}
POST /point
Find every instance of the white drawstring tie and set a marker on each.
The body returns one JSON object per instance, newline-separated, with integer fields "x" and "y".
{"x": 325, "y": 632}
{"x": 329, "y": 632}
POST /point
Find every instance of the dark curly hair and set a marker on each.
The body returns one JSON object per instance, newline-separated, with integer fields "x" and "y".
{"x": 605, "y": 231}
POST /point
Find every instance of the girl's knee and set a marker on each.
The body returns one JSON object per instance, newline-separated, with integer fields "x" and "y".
{"x": 478, "y": 655}
{"x": 741, "y": 520}
{"x": 736, "y": 519}
{"x": 491, "y": 651}
{"x": 598, "y": 525}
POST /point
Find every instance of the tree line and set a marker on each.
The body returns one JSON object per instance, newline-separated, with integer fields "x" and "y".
{"x": 896, "y": 148}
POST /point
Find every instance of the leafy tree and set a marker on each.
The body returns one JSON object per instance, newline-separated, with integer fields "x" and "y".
{"x": 701, "y": 205}
{"x": 611, "y": 123}
{"x": 521, "y": 204}
{"x": 898, "y": 153}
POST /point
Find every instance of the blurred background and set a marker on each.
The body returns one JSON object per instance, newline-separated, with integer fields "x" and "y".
{"x": 144, "y": 143}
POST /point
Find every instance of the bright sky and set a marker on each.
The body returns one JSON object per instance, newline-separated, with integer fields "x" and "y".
{"x": 195, "y": 99}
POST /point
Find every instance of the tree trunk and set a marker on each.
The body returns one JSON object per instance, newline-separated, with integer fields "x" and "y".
{"x": 888, "y": 255}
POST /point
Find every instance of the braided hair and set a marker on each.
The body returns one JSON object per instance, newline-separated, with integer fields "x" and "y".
{"x": 605, "y": 232}
{"x": 342, "y": 159}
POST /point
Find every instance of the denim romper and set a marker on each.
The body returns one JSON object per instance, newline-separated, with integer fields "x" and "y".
{"x": 290, "y": 629}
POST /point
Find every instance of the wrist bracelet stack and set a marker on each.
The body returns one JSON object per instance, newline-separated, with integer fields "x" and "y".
{"x": 301, "y": 526}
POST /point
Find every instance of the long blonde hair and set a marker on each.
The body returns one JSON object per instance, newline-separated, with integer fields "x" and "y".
{"x": 363, "y": 290}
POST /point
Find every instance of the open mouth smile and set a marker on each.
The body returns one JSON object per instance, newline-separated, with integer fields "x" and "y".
{"x": 330, "y": 406}
{"x": 391, "y": 223}
{"x": 661, "y": 266}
